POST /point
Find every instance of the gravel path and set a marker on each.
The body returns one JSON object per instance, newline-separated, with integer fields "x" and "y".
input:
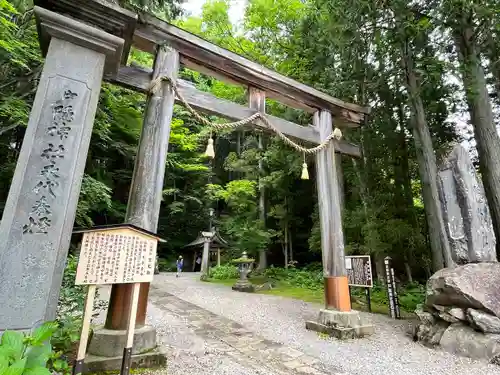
{"x": 388, "y": 352}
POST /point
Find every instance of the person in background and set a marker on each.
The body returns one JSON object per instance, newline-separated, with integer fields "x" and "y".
{"x": 198, "y": 264}
{"x": 180, "y": 263}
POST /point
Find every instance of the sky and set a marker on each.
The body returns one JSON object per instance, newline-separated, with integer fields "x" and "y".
{"x": 236, "y": 11}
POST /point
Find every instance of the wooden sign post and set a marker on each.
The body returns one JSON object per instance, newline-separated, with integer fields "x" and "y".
{"x": 392, "y": 292}
{"x": 114, "y": 254}
{"x": 359, "y": 274}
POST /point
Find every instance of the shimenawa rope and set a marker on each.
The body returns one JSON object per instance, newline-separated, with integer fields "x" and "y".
{"x": 231, "y": 125}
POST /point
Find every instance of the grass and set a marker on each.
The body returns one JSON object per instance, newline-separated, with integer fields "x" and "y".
{"x": 309, "y": 295}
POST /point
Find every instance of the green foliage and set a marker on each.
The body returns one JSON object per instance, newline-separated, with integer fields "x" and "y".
{"x": 70, "y": 309}
{"x": 71, "y": 297}
{"x": 243, "y": 227}
{"x": 32, "y": 354}
{"x": 410, "y": 295}
{"x": 295, "y": 277}
{"x": 224, "y": 272}
{"x": 67, "y": 335}
{"x": 167, "y": 265}
{"x": 95, "y": 197}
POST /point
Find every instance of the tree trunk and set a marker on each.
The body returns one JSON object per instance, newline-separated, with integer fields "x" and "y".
{"x": 426, "y": 158}
{"x": 408, "y": 272}
{"x": 257, "y": 100}
{"x": 285, "y": 238}
{"x": 262, "y": 207}
{"x": 493, "y": 53}
{"x": 405, "y": 165}
{"x": 290, "y": 244}
{"x": 485, "y": 133}
{"x": 380, "y": 268}
{"x": 285, "y": 246}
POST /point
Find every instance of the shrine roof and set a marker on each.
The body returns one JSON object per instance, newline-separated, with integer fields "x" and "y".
{"x": 217, "y": 241}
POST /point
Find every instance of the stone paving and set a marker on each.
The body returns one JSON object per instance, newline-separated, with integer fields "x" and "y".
{"x": 239, "y": 343}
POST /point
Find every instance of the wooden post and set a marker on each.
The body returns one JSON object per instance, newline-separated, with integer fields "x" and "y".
{"x": 84, "y": 336}
{"x": 257, "y": 100}
{"x": 368, "y": 299}
{"x": 127, "y": 351}
{"x": 207, "y": 239}
{"x": 332, "y": 237}
{"x": 218, "y": 257}
{"x": 392, "y": 293}
{"x": 147, "y": 183}
{"x": 204, "y": 258}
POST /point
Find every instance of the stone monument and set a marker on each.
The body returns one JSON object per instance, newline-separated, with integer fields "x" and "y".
{"x": 40, "y": 210}
{"x": 465, "y": 210}
{"x": 461, "y": 313}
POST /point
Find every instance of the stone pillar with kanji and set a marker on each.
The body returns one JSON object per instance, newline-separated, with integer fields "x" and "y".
{"x": 40, "y": 210}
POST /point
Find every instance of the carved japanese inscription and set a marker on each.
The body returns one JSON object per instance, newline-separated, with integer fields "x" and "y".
{"x": 39, "y": 219}
{"x": 116, "y": 257}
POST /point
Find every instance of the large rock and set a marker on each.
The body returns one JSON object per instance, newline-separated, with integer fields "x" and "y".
{"x": 485, "y": 322}
{"x": 465, "y": 210}
{"x": 424, "y": 316}
{"x": 473, "y": 286}
{"x": 457, "y": 313}
{"x": 430, "y": 334}
{"x": 450, "y": 314}
{"x": 462, "y": 340}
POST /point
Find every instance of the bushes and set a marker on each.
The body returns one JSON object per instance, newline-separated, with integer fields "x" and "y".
{"x": 70, "y": 311}
{"x": 410, "y": 295}
{"x": 295, "y": 277}
{"x": 224, "y": 272}
{"x": 166, "y": 265}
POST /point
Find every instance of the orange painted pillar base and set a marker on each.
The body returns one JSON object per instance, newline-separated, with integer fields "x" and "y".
{"x": 337, "y": 295}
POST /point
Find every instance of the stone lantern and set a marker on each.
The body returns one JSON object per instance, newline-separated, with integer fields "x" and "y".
{"x": 244, "y": 265}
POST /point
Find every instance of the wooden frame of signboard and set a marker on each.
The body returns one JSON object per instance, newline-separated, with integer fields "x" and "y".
{"x": 114, "y": 254}
{"x": 367, "y": 275}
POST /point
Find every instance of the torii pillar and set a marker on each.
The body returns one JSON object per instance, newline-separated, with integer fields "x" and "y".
{"x": 143, "y": 210}
{"x": 337, "y": 318}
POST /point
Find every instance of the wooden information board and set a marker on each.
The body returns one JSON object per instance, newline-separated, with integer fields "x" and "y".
{"x": 114, "y": 254}
{"x": 116, "y": 257}
{"x": 359, "y": 270}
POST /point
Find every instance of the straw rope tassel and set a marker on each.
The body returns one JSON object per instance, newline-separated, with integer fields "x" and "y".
{"x": 210, "y": 151}
{"x": 305, "y": 172}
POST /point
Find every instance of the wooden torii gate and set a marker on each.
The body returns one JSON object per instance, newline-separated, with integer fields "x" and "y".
{"x": 88, "y": 41}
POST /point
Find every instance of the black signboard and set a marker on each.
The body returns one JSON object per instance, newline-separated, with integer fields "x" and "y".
{"x": 359, "y": 270}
